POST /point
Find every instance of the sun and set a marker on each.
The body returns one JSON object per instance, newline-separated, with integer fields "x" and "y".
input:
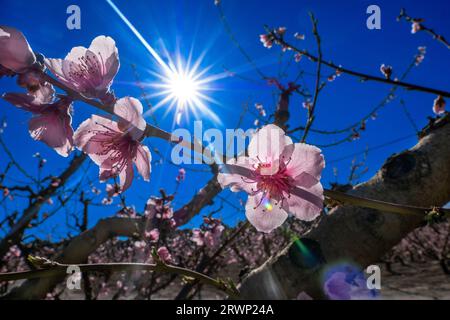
{"x": 182, "y": 87}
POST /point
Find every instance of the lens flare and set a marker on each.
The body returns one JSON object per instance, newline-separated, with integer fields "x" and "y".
{"x": 182, "y": 84}
{"x": 267, "y": 204}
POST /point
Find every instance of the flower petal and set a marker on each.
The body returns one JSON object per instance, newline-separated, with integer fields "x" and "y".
{"x": 91, "y": 134}
{"x": 130, "y": 111}
{"x": 126, "y": 176}
{"x": 231, "y": 175}
{"x": 15, "y": 52}
{"x": 105, "y": 48}
{"x": 305, "y": 205}
{"x": 143, "y": 161}
{"x": 23, "y": 101}
{"x": 54, "y": 130}
{"x": 268, "y": 143}
{"x": 306, "y": 158}
{"x": 261, "y": 218}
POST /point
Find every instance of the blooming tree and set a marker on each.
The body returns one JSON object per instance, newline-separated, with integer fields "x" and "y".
{"x": 281, "y": 179}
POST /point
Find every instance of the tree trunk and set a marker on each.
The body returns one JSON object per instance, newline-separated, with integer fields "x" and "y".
{"x": 419, "y": 176}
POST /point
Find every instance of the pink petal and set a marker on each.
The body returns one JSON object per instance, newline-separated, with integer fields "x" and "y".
{"x": 45, "y": 94}
{"x": 54, "y": 130}
{"x": 24, "y": 101}
{"x": 306, "y": 158}
{"x": 267, "y": 145}
{"x": 142, "y": 161}
{"x": 231, "y": 177}
{"x": 126, "y": 176}
{"x": 15, "y": 52}
{"x": 56, "y": 67}
{"x": 130, "y": 111}
{"x": 261, "y": 218}
{"x": 303, "y": 207}
{"x": 90, "y": 135}
{"x": 105, "y": 47}
{"x": 305, "y": 180}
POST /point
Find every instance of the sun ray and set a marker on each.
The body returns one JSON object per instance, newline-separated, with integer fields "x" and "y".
{"x": 182, "y": 80}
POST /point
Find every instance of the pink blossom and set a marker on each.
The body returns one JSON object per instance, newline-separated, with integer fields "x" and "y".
{"x": 267, "y": 40}
{"x": 279, "y": 176}
{"x": 197, "y": 237}
{"x": 112, "y": 190}
{"x": 51, "y": 122}
{"x": 89, "y": 71}
{"x": 299, "y": 36}
{"x": 155, "y": 209}
{"x": 439, "y": 105}
{"x": 164, "y": 255}
{"x": 281, "y": 31}
{"x": 181, "y": 175}
{"x": 114, "y": 146}
{"x": 421, "y": 55}
{"x": 386, "y": 71}
{"x": 15, "y": 52}
{"x": 152, "y": 235}
{"x": 212, "y": 237}
{"x": 415, "y": 26}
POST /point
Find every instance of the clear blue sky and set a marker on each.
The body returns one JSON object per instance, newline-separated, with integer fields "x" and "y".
{"x": 195, "y": 25}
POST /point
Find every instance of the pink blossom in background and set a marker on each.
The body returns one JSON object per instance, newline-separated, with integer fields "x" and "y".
{"x": 15, "y": 52}
{"x": 89, "y": 71}
{"x": 51, "y": 122}
{"x": 152, "y": 235}
{"x": 386, "y": 71}
{"x": 164, "y": 255}
{"x": 415, "y": 26}
{"x": 115, "y": 145}
{"x": 439, "y": 105}
{"x": 156, "y": 209}
{"x": 210, "y": 233}
{"x": 197, "y": 237}
{"x": 181, "y": 175}
{"x": 112, "y": 190}
{"x": 279, "y": 176}
{"x": 267, "y": 40}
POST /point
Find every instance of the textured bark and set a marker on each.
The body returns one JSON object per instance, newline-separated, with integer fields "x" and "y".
{"x": 77, "y": 251}
{"x": 419, "y": 176}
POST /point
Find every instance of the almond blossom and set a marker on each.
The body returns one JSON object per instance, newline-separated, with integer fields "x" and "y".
{"x": 164, "y": 255}
{"x": 89, "y": 71}
{"x": 15, "y": 52}
{"x": 439, "y": 105}
{"x": 115, "y": 145}
{"x": 51, "y": 122}
{"x": 279, "y": 176}
{"x": 386, "y": 71}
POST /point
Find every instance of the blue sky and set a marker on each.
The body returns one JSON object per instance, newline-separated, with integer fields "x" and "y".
{"x": 194, "y": 26}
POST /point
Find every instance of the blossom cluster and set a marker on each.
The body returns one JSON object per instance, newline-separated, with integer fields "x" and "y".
{"x": 113, "y": 144}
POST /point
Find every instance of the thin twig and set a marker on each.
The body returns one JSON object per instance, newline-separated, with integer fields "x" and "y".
{"x": 317, "y": 85}
{"x": 363, "y": 76}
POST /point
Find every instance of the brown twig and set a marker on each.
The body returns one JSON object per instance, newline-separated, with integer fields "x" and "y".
{"x": 422, "y": 27}
{"x": 366, "y": 77}
{"x": 311, "y": 109}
